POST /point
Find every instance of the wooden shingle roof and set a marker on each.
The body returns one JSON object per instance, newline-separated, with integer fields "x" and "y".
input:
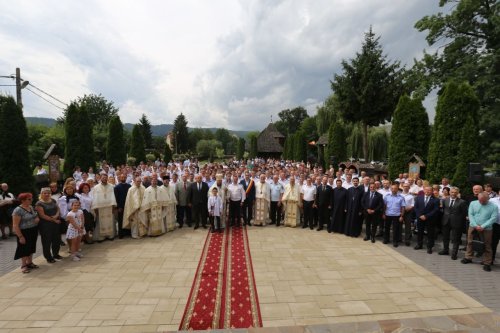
{"x": 268, "y": 140}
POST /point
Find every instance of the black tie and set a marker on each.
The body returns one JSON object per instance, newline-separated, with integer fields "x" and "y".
{"x": 452, "y": 202}
{"x": 371, "y": 198}
{"x": 426, "y": 200}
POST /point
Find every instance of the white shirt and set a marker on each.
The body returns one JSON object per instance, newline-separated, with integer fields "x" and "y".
{"x": 309, "y": 192}
{"x": 347, "y": 185}
{"x": 236, "y": 192}
{"x": 409, "y": 199}
{"x": 384, "y": 191}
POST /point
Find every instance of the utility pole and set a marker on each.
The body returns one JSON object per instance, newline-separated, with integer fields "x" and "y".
{"x": 18, "y": 88}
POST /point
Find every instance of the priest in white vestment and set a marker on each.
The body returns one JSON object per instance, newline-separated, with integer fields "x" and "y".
{"x": 167, "y": 194}
{"x": 154, "y": 208}
{"x": 262, "y": 202}
{"x": 222, "y": 193}
{"x": 103, "y": 203}
{"x": 291, "y": 202}
{"x": 131, "y": 215}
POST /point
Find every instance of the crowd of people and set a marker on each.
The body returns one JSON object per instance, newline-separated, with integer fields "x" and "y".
{"x": 155, "y": 198}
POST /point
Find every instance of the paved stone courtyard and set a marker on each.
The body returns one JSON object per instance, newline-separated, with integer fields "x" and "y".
{"x": 303, "y": 277}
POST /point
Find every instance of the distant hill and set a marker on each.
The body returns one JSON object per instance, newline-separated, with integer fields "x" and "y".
{"x": 158, "y": 130}
{"x": 49, "y": 122}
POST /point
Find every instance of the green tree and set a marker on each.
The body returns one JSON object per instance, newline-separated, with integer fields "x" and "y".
{"x": 55, "y": 135}
{"x": 468, "y": 151}
{"x": 326, "y": 115}
{"x": 15, "y": 168}
{"x": 225, "y": 138}
{"x": 180, "y": 134}
{"x": 167, "y": 153}
{"x": 455, "y": 103}
{"x": 300, "y": 149}
{"x": 72, "y": 143}
{"x": 467, "y": 38}
{"x": 99, "y": 109}
{"x": 137, "y": 144}
{"x": 207, "y": 148}
{"x": 100, "y": 136}
{"x": 410, "y": 134}
{"x": 288, "y": 147}
{"x": 241, "y": 148}
{"x": 253, "y": 147}
{"x": 86, "y": 156}
{"x": 147, "y": 133}
{"x": 369, "y": 88}
{"x": 290, "y": 120}
{"x": 337, "y": 142}
{"x": 115, "y": 149}
{"x": 378, "y": 142}
{"x": 36, "y": 148}
{"x": 355, "y": 141}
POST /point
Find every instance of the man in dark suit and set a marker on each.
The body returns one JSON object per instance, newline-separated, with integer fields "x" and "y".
{"x": 338, "y": 203}
{"x": 426, "y": 211}
{"x": 198, "y": 201}
{"x": 373, "y": 205}
{"x": 249, "y": 187}
{"x": 323, "y": 203}
{"x": 354, "y": 217}
{"x": 454, "y": 214}
{"x": 121, "y": 190}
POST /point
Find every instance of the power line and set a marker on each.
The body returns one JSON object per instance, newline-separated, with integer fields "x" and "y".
{"x": 34, "y": 93}
{"x": 46, "y": 93}
{"x": 7, "y": 85}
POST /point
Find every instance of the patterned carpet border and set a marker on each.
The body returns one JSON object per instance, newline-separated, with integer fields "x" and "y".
{"x": 232, "y": 302}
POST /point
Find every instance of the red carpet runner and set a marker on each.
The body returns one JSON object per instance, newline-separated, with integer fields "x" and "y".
{"x": 223, "y": 294}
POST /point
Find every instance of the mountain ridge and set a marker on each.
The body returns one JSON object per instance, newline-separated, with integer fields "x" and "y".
{"x": 157, "y": 130}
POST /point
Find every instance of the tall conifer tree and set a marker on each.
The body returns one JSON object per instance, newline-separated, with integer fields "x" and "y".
{"x": 454, "y": 105}
{"x": 337, "y": 146}
{"x": 115, "y": 148}
{"x": 86, "y": 155}
{"x": 15, "y": 167}
{"x": 137, "y": 144}
{"x": 72, "y": 146}
{"x": 300, "y": 151}
{"x": 410, "y": 134}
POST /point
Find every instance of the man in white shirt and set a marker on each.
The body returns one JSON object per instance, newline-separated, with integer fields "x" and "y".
{"x": 307, "y": 196}
{"x": 236, "y": 195}
{"x": 347, "y": 184}
{"x": 408, "y": 214}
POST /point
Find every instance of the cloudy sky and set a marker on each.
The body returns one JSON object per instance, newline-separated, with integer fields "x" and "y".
{"x": 223, "y": 63}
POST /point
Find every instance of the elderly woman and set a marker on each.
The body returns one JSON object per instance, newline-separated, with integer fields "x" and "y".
{"x": 25, "y": 223}
{"x": 49, "y": 225}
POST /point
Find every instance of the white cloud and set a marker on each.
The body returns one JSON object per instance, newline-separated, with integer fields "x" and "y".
{"x": 221, "y": 63}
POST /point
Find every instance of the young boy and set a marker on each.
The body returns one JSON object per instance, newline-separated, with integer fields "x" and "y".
{"x": 214, "y": 210}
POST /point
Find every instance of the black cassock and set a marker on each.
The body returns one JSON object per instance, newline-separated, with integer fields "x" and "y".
{"x": 339, "y": 196}
{"x": 354, "y": 220}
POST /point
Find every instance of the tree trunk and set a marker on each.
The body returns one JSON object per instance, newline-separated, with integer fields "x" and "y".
{"x": 365, "y": 141}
